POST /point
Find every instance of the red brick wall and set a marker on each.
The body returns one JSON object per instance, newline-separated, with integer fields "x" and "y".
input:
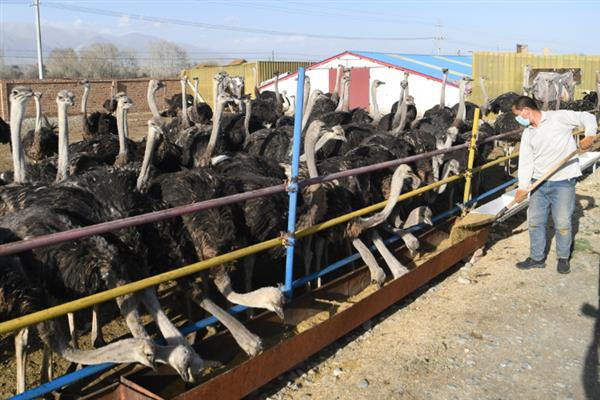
{"x": 100, "y": 90}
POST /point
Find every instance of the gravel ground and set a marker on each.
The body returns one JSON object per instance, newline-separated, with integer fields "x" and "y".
{"x": 485, "y": 330}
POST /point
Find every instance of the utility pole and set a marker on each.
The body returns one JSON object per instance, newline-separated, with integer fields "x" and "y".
{"x": 36, "y": 4}
{"x": 439, "y": 38}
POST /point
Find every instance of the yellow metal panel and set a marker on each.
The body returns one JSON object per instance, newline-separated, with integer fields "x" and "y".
{"x": 505, "y": 70}
{"x": 265, "y": 70}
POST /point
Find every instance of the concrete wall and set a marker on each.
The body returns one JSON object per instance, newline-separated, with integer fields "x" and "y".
{"x": 100, "y": 91}
{"x": 426, "y": 91}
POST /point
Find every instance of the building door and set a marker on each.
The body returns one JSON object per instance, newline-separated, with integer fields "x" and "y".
{"x": 359, "y": 88}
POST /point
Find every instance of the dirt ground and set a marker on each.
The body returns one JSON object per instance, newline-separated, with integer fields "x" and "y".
{"x": 482, "y": 331}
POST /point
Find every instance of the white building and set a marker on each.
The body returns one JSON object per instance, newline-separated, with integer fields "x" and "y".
{"x": 424, "y": 80}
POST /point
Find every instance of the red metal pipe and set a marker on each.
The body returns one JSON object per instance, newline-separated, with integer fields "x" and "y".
{"x": 87, "y": 231}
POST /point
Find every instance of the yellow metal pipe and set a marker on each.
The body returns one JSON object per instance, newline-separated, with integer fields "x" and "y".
{"x": 88, "y": 301}
{"x": 471, "y": 159}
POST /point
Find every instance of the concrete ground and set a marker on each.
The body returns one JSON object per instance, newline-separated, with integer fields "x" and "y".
{"x": 482, "y": 331}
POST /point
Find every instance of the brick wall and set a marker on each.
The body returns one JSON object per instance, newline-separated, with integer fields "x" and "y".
{"x": 100, "y": 90}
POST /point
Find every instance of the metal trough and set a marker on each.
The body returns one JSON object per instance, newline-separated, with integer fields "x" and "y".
{"x": 285, "y": 347}
{"x": 586, "y": 160}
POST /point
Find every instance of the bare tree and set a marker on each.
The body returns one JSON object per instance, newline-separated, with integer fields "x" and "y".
{"x": 166, "y": 58}
{"x": 63, "y": 63}
{"x": 105, "y": 60}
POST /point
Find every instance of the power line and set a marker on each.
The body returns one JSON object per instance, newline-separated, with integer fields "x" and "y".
{"x": 220, "y": 27}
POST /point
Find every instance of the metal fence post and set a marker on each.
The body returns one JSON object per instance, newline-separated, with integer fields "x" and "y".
{"x": 292, "y": 189}
{"x": 472, "y": 149}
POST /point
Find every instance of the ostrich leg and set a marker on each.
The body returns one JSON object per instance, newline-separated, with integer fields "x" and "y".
{"x": 96, "y": 336}
{"x": 307, "y": 257}
{"x": 377, "y": 274}
{"x": 319, "y": 249}
{"x": 46, "y": 367}
{"x": 21, "y": 344}
{"x": 73, "y": 330}
{"x": 392, "y": 262}
{"x": 249, "y": 263}
{"x": 249, "y": 342}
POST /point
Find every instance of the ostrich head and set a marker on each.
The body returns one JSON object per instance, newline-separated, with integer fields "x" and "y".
{"x": 20, "y": 95}
{"x": 123, "y": 100}
{"x": 143, "y": 351}
{"x": 84, "y": 82}
{"x": 65, "y": 97}
{"x": 236, "y": 86}
{"x": 187, "y": 364}
{"x": 155, "y": 84}
{"x": 378, "y": 83}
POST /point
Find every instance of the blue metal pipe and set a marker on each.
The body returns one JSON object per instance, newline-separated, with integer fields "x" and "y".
{"x": 293, "y": 186}
{"x": 91, "y": 370}
{"x": 440, "y": 217}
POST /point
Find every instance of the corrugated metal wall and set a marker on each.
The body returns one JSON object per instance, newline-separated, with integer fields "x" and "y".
{"x": 505, "y": 71}
{"x": 266, "y": 70}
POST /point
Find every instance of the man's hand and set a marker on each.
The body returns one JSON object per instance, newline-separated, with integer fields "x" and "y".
{"x": 586, "y": 142}
{"x": 521, "y": 195}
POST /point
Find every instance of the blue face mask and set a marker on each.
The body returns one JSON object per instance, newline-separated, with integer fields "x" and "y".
{"x": 522, "y": 121}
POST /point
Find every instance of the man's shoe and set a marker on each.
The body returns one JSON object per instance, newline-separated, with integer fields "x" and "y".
{"x": 530, "y": 263}
{"x": 562, "y": 266}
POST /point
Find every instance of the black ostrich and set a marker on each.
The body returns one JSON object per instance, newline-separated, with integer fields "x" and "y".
{"x": 4, "y": 132}
{"x": 503, "y": 103}
{"x": 199, "y": 113}
{"x": 22, "y": 292}
{"x": 42, "y": 141}
{"x": 98, "y": 123}
{"x": 354, "y": 193}
{"x": 108, "y": 149}
{"x": 96, "y": 196}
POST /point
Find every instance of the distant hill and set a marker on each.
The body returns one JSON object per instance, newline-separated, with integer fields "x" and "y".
{"x": 19, "y": 42}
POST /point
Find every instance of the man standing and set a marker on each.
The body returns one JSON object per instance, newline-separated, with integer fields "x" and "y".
{"x": 546, "y": 140}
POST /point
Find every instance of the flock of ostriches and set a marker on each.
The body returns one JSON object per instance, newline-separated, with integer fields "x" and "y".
{"x": 194, "y": 153}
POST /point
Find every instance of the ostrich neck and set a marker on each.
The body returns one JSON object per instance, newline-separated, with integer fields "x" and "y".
{"x": 309, "y": 151}
{"x": 443, "y": 90}
{"x": 16, "y": 119}
{"x": 38, "y": 115}
{"x": 278, "y": 102}
{"x": 247, "y": 118}
{"x": 306, "y": 95}
{"x": 184, "y": 113}
{"x": 196, "y": 94}
{"x": 346, "y": 102}
{"x": 121, "y": 115}
{"x": 145, "y": 169}
{"x": 84, "y": 98}
{"x": 308, "y": 109}
{"x": 151, "y": 98}
{"x": 402, "y": 120}
{"x": 117, "y": 352}
{"x": 336, "y": 89}
{"x": 486, "y": 98}
{"x": 398, "y": 115}
{"x": 63, "y": 143}
{"x": 214, "y": 134}
{"x": 460, "y": 113}
{"x": 292, "y": 110}
{"x": 375, "y": 112}
{"x": 396, "y": 187}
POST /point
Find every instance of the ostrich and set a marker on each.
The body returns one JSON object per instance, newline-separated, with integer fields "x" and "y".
{"x": 96, "y": 263}
{"x": 343, "y": 103}
{"x": 486, "y": 103}
{"x": 346, "y": 196}
{"x": 22, "y": 293}
{"x": 40, "y": 142}
{"x": 19, "y": 97}
{"x": 213, "y": 232}
{"x": 199, "y": 113}
{"x": 391, "y": 120}
{"x": 375, "y": 114}
{"x": 98, "y": 123}
{"x": 4, "y": 132}
{"x": 108, "y": 149}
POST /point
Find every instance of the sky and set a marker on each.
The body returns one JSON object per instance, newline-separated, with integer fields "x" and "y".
{"x": 317, "y": 29}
